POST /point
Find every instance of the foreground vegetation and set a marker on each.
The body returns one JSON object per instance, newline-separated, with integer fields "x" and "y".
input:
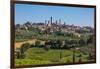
{"x": 35, "y": 48}
{"x": 37, "y": 56}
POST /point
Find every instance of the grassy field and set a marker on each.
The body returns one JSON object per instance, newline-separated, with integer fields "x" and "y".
{"x": 37, "y": 56}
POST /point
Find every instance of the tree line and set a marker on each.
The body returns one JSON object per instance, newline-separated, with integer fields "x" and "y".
{"x": 54, "y": 44}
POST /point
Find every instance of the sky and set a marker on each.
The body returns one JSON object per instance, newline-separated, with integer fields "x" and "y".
{"x": 39, "y": 13}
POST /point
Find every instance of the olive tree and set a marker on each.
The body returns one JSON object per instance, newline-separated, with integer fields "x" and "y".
{"x": 23, "y": 48}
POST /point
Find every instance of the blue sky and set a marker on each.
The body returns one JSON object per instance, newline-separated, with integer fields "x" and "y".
{"x": 40, "y": 13}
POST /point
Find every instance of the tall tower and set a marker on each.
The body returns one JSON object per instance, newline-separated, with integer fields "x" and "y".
{"x": 64, "y": 23}
{"x": 56, "y": 22}
{"x": 59, "y": 21}
{"x": 49, "y": 24}
{"x": 45, "y": 22}
{"x": 51, "y": 20}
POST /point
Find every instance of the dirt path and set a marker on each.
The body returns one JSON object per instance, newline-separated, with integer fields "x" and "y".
{"x": 18, "y": 44}
{"x": 32, "y": 41}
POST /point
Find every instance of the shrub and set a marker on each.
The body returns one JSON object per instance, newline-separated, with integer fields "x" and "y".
{"x": 23, "y": 48}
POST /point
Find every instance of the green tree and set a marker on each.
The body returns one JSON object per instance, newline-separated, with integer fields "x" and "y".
{"x": 23, "y": 48}
{"x": 90, "y": 39}
{"x": 37, "y": 43}
{"x": 81, "y": 42}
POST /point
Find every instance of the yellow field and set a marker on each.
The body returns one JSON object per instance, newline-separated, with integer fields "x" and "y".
{"x": 18, "y": 44}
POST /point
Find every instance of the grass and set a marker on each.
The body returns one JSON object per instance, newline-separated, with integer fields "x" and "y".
{"x": 37, "y": 56}
{"x": 30, "y": 62}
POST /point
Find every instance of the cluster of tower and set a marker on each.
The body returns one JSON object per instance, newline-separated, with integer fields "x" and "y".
{"x": 50, "y": 22}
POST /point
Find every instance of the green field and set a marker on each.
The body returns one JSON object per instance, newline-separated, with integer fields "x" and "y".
{"x": 37, "y": 56}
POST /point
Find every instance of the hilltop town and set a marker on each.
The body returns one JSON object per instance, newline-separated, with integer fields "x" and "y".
{"x": 50, "y": 26}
